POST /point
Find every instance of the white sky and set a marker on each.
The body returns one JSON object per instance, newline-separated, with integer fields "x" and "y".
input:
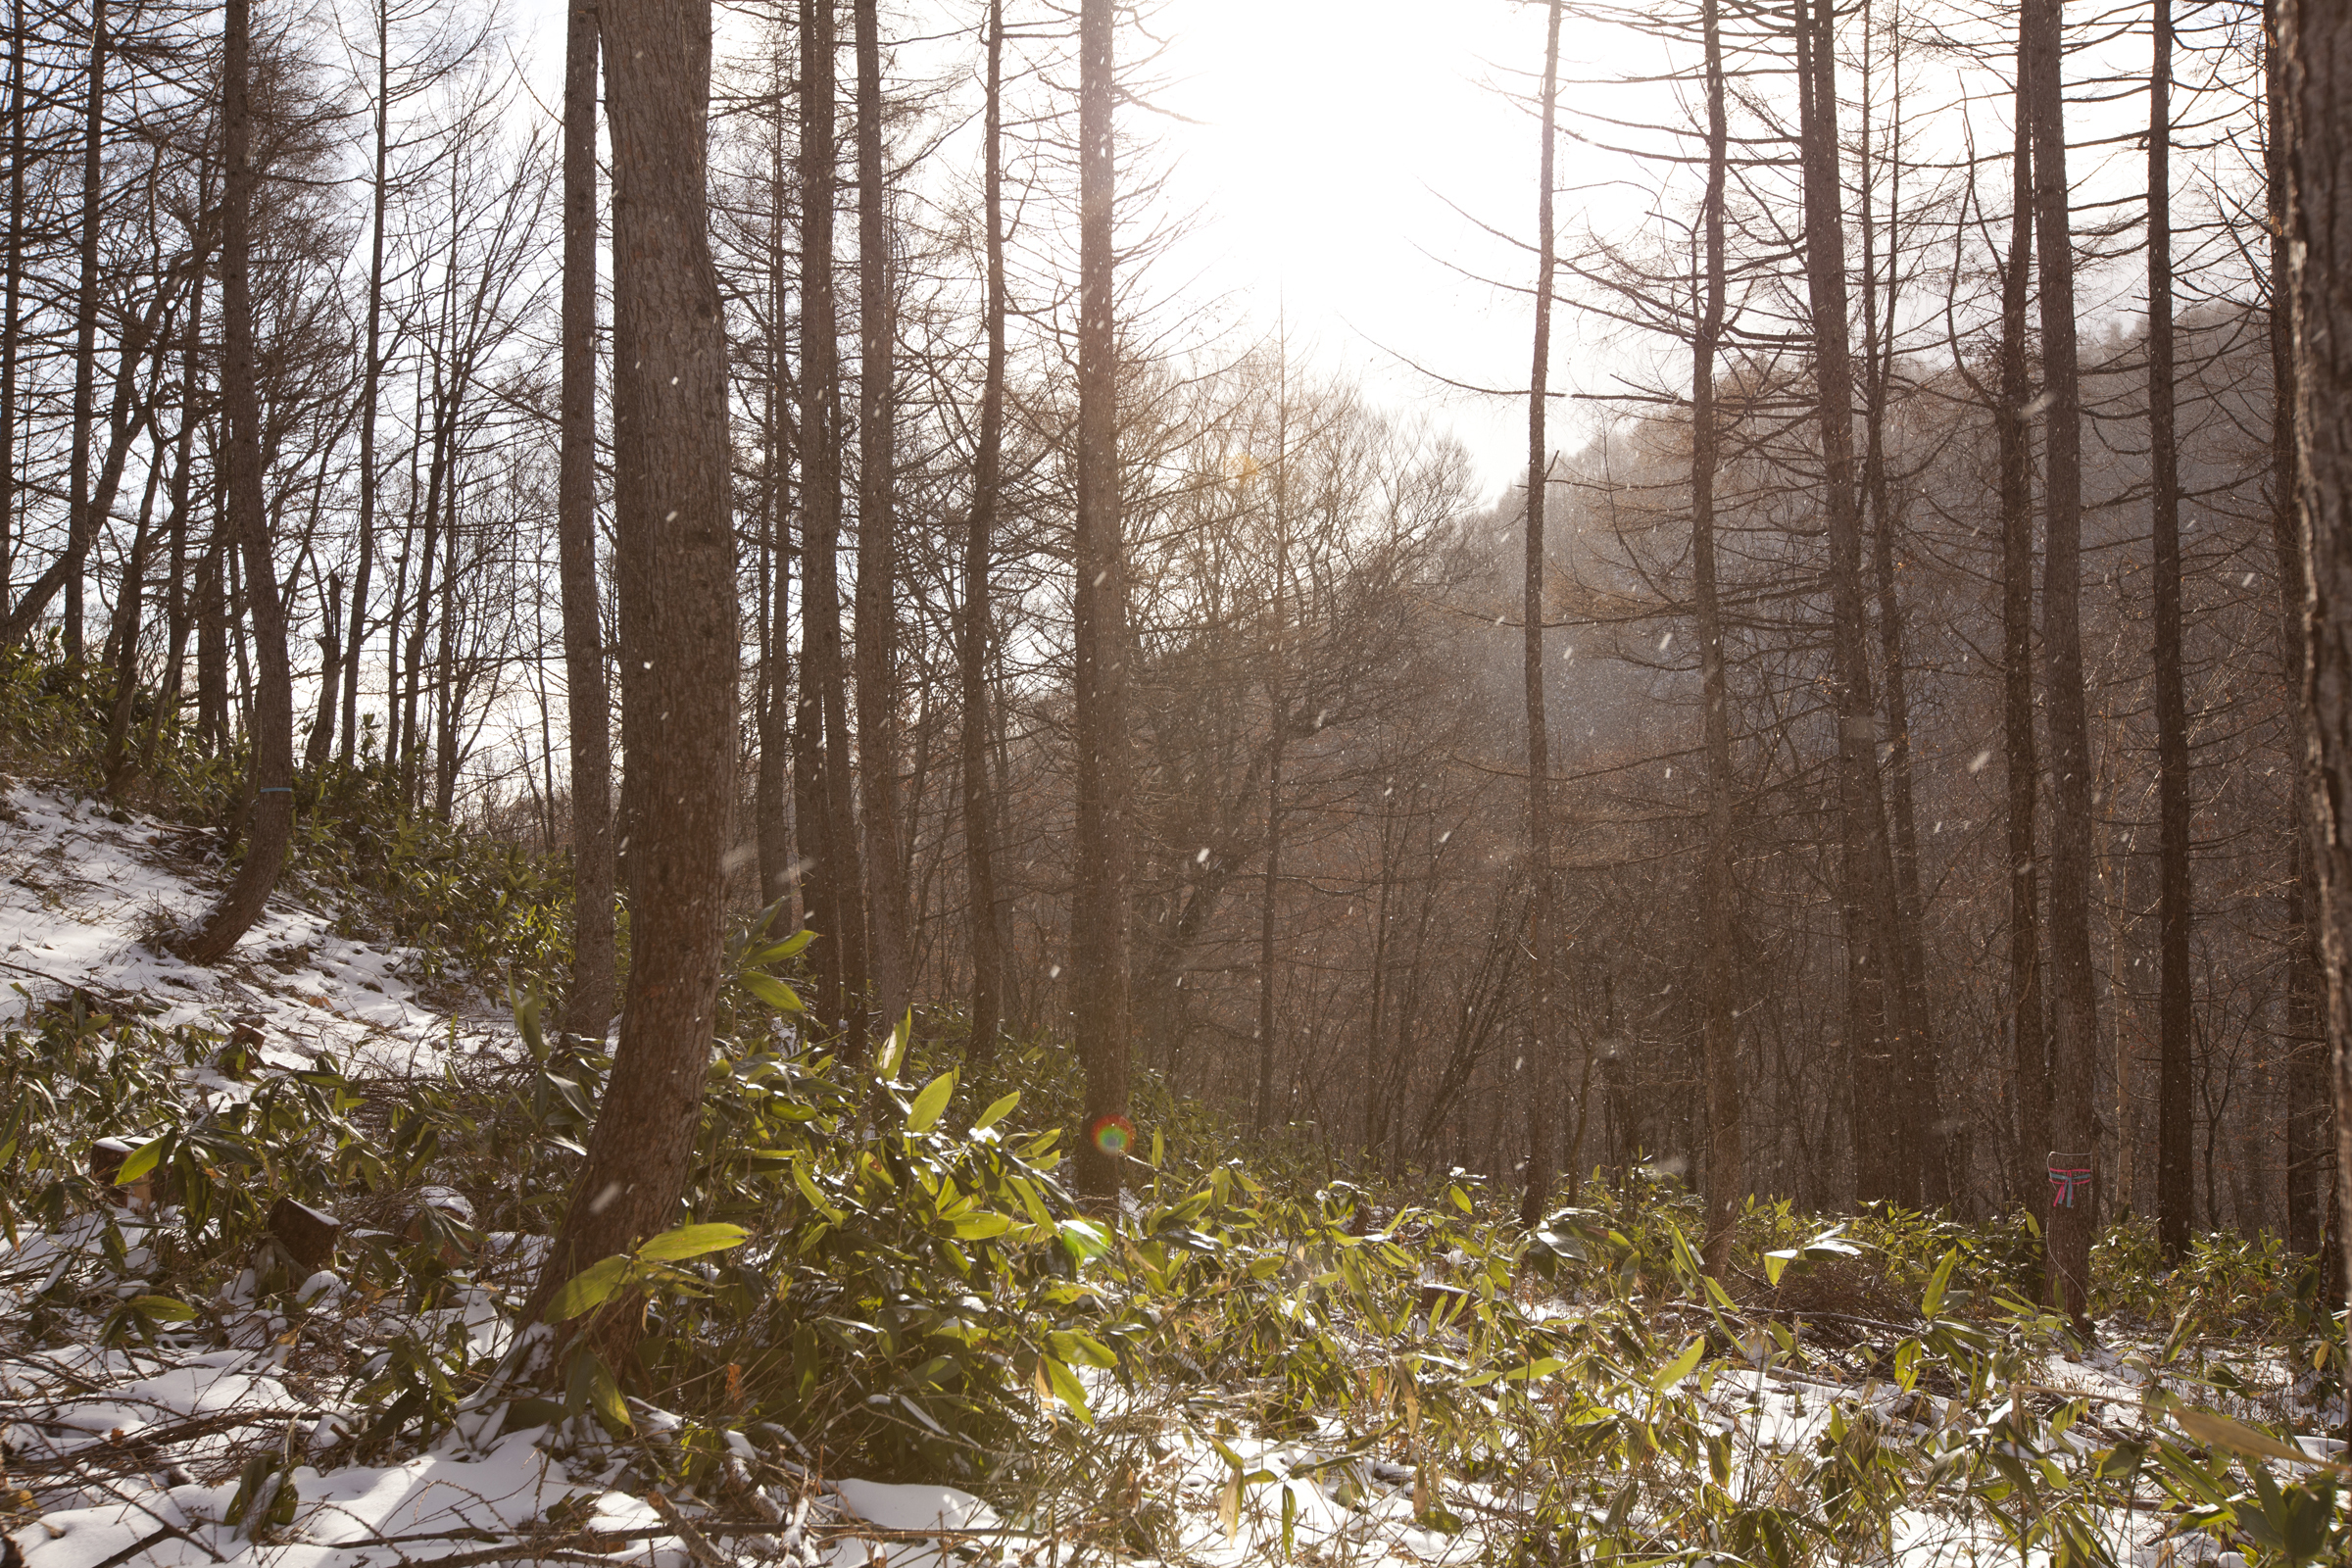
{"x": 1331, "y": 136}
{"x": 1319, "y": 143}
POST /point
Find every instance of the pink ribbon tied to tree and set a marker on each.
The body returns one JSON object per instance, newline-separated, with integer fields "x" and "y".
{"x": 2068, "y": 1172}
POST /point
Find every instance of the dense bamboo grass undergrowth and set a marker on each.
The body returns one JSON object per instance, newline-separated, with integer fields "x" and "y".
{"x": 880, "y": 1271}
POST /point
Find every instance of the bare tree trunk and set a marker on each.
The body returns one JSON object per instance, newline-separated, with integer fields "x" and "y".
{"x": 11, "y": 313}
{"x": 2013, "y": 434}
{"x": 837, "y": 888}
{"x": 588, "y": 1001}
{"x": 2317, "y": 45}
{"x": 372, "y": 377}
{"x": 115, "y": 765}
{"x": 674, "y": 572}
{"x": 876, "y": 620}
{"x": 272, "y": 732}
{"x": 1924, "y": 1173}
{"x": 2175, "y": 1188}
{"x": 1867, "y": 894}
{"x": 1278, "y": 708}
{"x": 772, "y": 791}
{"x": 1543, "y": 1114}
{"x": 85, "y": 520}
{"x": 321, "y": 739}
{"x": 212, "y": 636}
{"x": 2075, "y": 1012}
{"x": 1727, "y": 1180}
{"x": 2306, "y": 1098}
{"x": 121, "y": 655}
{"x": 1099, "y": 910}
{"x": 980, "y": 866}
{"x": 176, "y": 584}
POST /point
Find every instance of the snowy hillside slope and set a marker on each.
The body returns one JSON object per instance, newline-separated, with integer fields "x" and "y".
{"x": 136, "y": 1454}
{"x": 84, "y": 890}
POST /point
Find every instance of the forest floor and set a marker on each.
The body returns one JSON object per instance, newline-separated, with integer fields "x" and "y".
{"x": 177, "y": 1386}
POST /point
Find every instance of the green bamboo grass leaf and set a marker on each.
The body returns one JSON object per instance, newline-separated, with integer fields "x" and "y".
{"x": 588, "y": 1289}
{"x": 140, "y": 1160}
{"x": 1681, "y": 1367}
{"x": 164, "y": 1309}
{"x": 930, "y": 1104}
{"x": 773, "y": 991}
{"x": 2217, "y": 1431}
{"x": 1932, "y": 1301}
{"x": 996, "y": 1111}
{"x": 692, "y": 1241}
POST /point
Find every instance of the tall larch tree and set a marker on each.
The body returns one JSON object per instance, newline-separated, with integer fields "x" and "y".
{"x": 2074, "y": 995}
{"x": 973, "y": 630}
{"x": 1718, "y": 960}
{"x": 2175, "y": 1186}
{"x": 1098, "y": 913}
{"x": 1542, "y": 1115}
{"x": 674, "y": 578}
{"x": 588, "y": 1001}
{"x": 2316, "y": 42}
{"x": 271, "y": 770}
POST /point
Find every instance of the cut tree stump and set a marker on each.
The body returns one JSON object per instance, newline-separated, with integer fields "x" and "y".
{"x": 105, "y": 1158}
{"x": 307, "y": 1235}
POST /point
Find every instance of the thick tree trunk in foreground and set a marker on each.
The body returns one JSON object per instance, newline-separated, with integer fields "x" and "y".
{"x": 2074, "y": 1010}
{"x": 2316, "y": 44}
{"x": 890, "y": 951}
{"x": 273, "y": 733}
{"x": 1536, "y": 844}
{"x": 972, "y": 632}
{"x": 1867, "y": 873}
{"x": 1098, "y": 892}
{"x": 674, "y": 572}
{"x": 588, "y": 1002}
{"x": 2176, "y": 1186}
{"x": 1727, "y": 1182}
{"x": 2308, "y": 1150}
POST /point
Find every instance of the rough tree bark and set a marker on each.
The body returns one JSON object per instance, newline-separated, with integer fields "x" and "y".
{"x": 272, "y": 736}
{"x": 1536, "y": 843}
{"x": 1098, "y": 894}
{"x": 588, "y": 1000}
{"x": 2307, "y": 1118}
{"x": 2316, "y": 47}
{"x": 674, "y": 572}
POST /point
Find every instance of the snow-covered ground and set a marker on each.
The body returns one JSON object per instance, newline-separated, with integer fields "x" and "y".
{"x": 84, "y": 894}
{"x": 118, "y": 1456}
